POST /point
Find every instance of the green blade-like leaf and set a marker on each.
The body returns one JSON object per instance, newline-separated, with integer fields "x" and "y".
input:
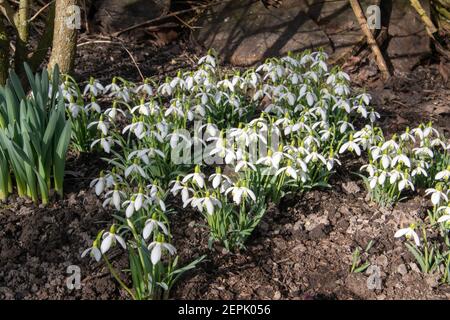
{"x": 59, "y": 159}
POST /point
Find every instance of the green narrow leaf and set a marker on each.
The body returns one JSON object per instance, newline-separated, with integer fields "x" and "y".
{"x": 30, "y": 77}
{"x": 59, "y": 159}
{"x": 17, "y": 85}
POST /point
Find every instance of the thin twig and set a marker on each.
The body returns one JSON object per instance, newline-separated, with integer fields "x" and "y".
{"x": 40, "y": 11}
{"x": 370, "y": 39}
{"x": 116, "y": 43}
{"x": 431, "y": 29}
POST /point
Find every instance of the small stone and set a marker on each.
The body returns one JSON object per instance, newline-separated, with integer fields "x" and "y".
{"x": 414, "y": 267}
{"x": 277, "y": 295}
{"x": 383, "y": 261}
{"x": 433, "y": 280}
{"x": 402, "y": 269}
{"x": 350, "y": 187}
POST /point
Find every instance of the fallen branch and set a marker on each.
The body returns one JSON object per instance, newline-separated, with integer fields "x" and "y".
{"x": 429, "y": 25}
{"x": 370, "y": 39}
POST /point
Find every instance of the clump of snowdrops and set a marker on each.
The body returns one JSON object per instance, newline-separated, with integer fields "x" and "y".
{"x": 402, "y": 163}
{"x": 415, "y": 158}
{"x": 226, "y": 143}
{"x": 34, "y": 137}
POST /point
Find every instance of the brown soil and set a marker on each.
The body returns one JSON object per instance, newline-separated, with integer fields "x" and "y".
{"x": 301, "y": 250}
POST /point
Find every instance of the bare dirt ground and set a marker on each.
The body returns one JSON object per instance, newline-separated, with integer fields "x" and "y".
{"x": 301, "y": 250}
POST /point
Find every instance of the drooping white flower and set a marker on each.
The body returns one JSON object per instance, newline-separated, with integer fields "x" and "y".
{"x": 443, "y": 175}
{"x": 109, "y": 239}
{"x": 114, "y": 198}
{"x": 152, "y": 225}
{"x": 408, "y": 233}
{"x": 156, "y": 248}
{"x": 240, "y": 193}
{"x": 437, "y": 195}
{"x": 444, "y": 218}
{"x": 350, "y": 146}
{"x": 93, "y": 252}
{"x": 197, "y": 177}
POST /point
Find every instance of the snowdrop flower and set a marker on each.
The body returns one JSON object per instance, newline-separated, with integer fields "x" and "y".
{"x": 408, "y": 233}
{"x": 100, "y": 124}
{"x": 156, "y": 248}
{"x": 142, "y": 108}
{"x": 382, "y": 175}
{"x": 244, "y": 164}
{"x": 444, "y": 218}
{"x": 152, "y": 225}
{"x": 446, "y": 210}
{"x": 110, "y": 239}
{"x": 390, "y": 145}
{"x": 165, "y": 89}
{"x": 395, "y": 175}
{"x": 145, "y": 87}
{"x": 437, "y": 195}
{"x": 272, "y": 159}
{"x": 211, "y": 129}
{"x": 373, "y": 181}
{"x": 197, "y": 177}
{"x": 129, "y": 204}
{"x": 218, "y": 178}
{"x": 100, "y": 184}
{"x": 112, "y": 112}
{"x": 369, "y": 168}
{"x": 94, "y": 87}
{"x": 146, "y": 154}
{"x": 420, "y": 169}
{"x": 289, "y": 171}
{"x": 373, "y": 116}
{"x": 93, "y": 251}
{"x": 135, "y": 168}
{"x": 177, "y": 187}
{"x": 443, "y": 175}
{"x": 407, "y": 136}
{"x": 385, "y": 158}
{"x": 113, "y": 87}
{"x": 401, "y": 158}
{"x": 208, "y": 202}
{"x": 74, "y": 109}
{"x": 139, "y": 128}
{"x": 114, "y": 198}
{"x": 240, "y": 193}
{"x": 314, "y": 156}
{"x": 423, "y": 151}
{"x": 105, "y": 142}
{"x": 350, "y": 146}
{"x": 332, "y": 160}
{"x": 405, "y": 182}
{"x": 93, "y": 106}
{"x": 208, "y": 59}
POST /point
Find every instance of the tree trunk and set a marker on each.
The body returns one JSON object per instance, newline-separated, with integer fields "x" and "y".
{"x": 67, "y": 17}
{"x": 4, "y": 53}
{"x": 22, "y": 26}
{"x": 45, "y": 41}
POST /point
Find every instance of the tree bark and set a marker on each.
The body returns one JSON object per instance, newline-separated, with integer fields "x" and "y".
{"x": 45, "y": 41}
{"x": 22, "y": 34}
{"x": 64, "y": 35}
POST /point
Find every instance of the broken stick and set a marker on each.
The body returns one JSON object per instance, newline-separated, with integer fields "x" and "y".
{"x": 370, "y": 39}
